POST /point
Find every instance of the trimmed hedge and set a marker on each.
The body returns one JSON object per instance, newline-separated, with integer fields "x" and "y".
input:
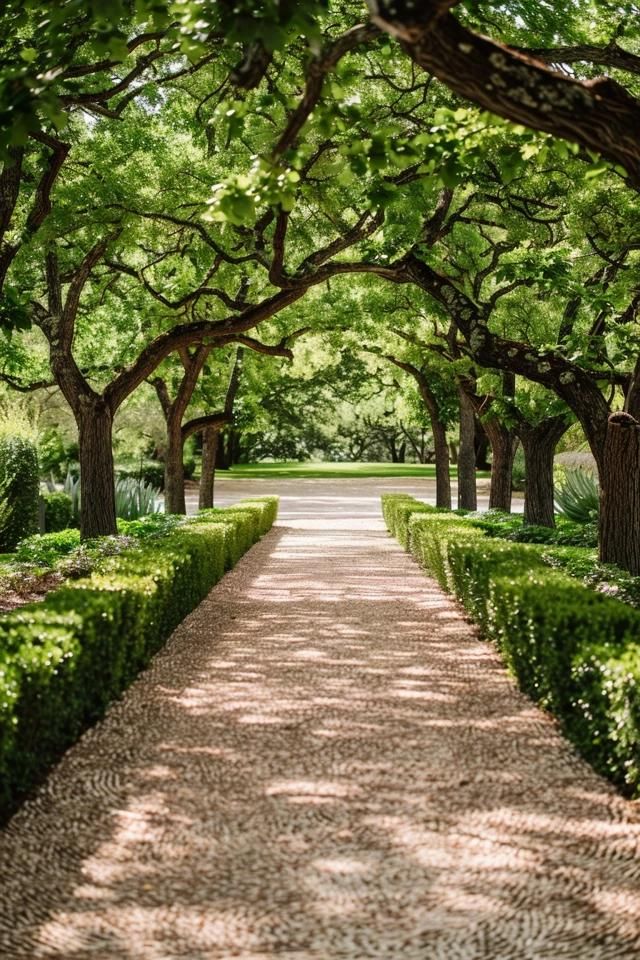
{"x": 58, "y": 512}
{"x": 573, "y": 650}
{"x": 19, "y": 488}
{"x": 62, "y": 661}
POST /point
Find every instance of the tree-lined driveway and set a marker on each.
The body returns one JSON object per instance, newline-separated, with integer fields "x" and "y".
{"x": 324, "y": 762}
{"x": 356, "y": 497}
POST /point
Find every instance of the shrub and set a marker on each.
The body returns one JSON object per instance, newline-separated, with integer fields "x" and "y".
{"x": 238, "y": 532}
{"x": 578, "y": 498}
{"x": 511, "y": 526}
{"x": 518, "y": 472}
{"x": 135, "y": 498}
{"x": 45, "y": 548}
{"x": 58, "y": 512}
{"x": 574, "y": 650}
{"x": 55, "y": 456}
{"x": 19, "y": 484}
{"x": 151, "y": 526}
{"x": 397, "y": 509}
{"x": 72, "y": 489}
{"x": 428, "y": 540}
{"x": 149, "y": 471}
{"x": 63, "y": 660}
{"x": 260, "y": 514}
{"x": 267, "y": 509}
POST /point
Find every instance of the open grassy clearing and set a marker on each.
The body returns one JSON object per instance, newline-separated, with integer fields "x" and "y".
{"x": 327, "y": 470}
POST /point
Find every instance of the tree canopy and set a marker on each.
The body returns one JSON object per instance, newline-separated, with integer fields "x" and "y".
{"x": 440, "y": 196}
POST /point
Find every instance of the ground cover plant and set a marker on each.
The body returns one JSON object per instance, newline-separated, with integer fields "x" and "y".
{"x": 63, "y": 660}
{"x": 575, "y": 650}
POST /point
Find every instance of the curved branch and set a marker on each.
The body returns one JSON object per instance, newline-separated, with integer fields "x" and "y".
{"x": 26, "y": 387}
{"x": 612, "y": 56}
{"x": 599, "y": 114}
{"x": 217, "y": 420}
{"x": 316, "y": 73}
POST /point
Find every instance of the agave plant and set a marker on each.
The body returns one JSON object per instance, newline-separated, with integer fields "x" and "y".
{"x": 578, "y": 498}
{"x": 135, "y": 498}
{"x": 72, "y": 489}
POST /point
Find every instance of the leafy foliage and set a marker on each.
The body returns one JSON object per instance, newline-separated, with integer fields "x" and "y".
{"x": 62, "y": 661}
{"x": 573, "y": 650}
{"x": 578, "y": 497}
{"x": 58, "y": 511}
{"x": 19, "y": 483}
{"x": 135, "y": 498}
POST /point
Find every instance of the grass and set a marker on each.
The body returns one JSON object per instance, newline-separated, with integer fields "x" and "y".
{"x": 329, "y": 471}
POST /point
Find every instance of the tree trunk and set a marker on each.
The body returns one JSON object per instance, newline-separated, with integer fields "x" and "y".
{"x": 482, "y": 447}
{"x": 620, "y": 494}
{"x": 443, "y": 477}
{"x": 207, "y": 475}
{"x": 467, "y": 495}
{"x": 503, "y": 448}
{"x": 222, "y": 459}
{"x": 174, "y": 500}
{"x": 233, "y": 448}
{"x": 539, "y": 444}
{"x": 97, "y": 487}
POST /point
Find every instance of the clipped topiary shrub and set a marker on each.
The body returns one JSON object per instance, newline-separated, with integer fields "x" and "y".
{"x": 19, "y": 489}
{"x": 574, "y": 650}
{"x": 62, "y": 661}
{"x": 58, "y": 512}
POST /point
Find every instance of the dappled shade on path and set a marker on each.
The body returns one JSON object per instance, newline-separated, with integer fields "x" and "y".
{"x": 325, "y": 762}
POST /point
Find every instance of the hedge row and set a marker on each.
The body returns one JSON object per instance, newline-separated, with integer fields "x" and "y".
{"x": 58, "y": 511}
{"x": 573, "y": 650}
{"x": 19, "y": 485}
{"x": 62, "y": 661}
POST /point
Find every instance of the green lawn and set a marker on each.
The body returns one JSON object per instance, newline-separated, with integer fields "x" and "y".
{"x": 309, "y": 470}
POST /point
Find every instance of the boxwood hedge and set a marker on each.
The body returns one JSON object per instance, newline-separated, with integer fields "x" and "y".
{"x": 19, "y": 486}
{"x": 574, "y": 650}
{"x": 58, "y": 512}
{"x": 62, "y": 661}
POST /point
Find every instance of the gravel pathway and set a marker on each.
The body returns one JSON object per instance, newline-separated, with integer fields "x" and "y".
{"x": 324, "y": 762}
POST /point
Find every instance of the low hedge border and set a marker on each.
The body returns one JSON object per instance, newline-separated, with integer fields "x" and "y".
{"x": 573, "y": 650}
{"x": 62, "y": 661}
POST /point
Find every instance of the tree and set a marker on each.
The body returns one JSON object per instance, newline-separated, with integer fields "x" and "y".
{"x": 175, "y": 407}
{"x": 89, "y": 270}
{"x": 601, "y": 115}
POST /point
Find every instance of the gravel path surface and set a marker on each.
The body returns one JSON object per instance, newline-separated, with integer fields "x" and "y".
{"x": 323, "y": 763}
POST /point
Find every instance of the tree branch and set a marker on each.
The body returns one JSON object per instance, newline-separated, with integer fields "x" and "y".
{"x": 598, "y": 114}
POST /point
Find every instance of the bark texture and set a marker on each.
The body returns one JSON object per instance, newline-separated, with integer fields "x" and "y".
{"x": 98, "y": 500}
{"x": 620, "y": 494}
{"x": 539, "y": 444}
{"x": 467, "y": 494}
{"x": 443, "y": 473}
{"x": 503, "y": 448}
{"x": 174, "y": 499}
{"x": 207, "y": 474}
